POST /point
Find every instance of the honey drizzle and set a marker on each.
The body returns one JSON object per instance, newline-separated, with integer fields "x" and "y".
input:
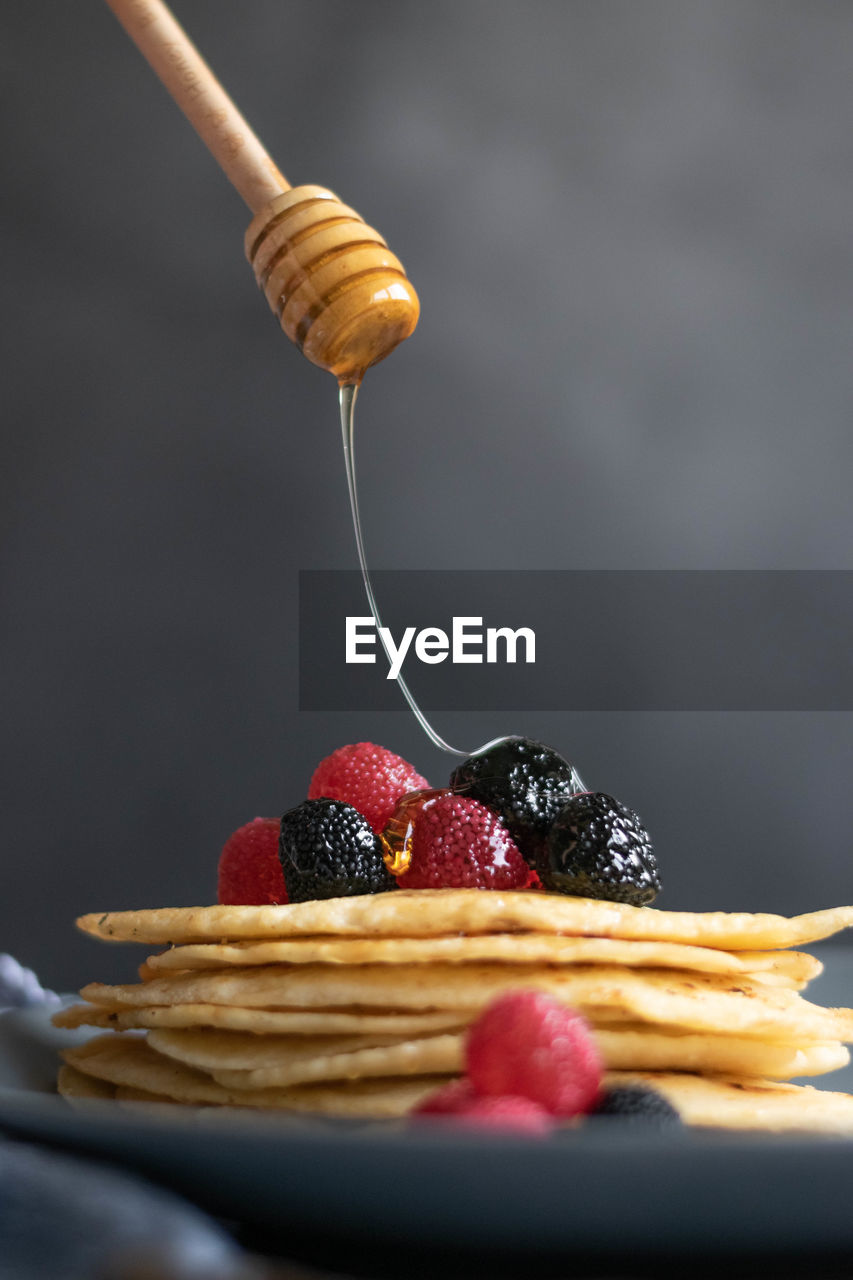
{"x": 347, "y": 397}
{"x": 396, "y": 839}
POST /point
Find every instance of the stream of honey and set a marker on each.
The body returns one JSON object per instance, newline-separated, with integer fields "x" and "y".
{"x": 347, "y": 397}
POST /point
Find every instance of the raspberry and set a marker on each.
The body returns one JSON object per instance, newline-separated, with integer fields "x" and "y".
{"x": 328, "y": 850}
{"x": 458, "y": 1099}
{"x": 527, "y": 1044}
{"x": 460, "y": 844}
{"x": 370, "y": 778}
{"x": 506, "y": 1112}
{"x": 599, "y": 849}
{"x": 249, "y": 867}
{"x": 447, "y": 1100}
{"x": 524, "y": 782}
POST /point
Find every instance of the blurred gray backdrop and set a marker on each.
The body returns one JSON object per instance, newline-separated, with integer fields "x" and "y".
{"x": 630, "y": 227}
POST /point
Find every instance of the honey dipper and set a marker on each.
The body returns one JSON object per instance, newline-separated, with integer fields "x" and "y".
{"x": 338, "y": 291}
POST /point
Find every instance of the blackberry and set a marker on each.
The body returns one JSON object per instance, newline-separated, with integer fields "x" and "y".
{"x": 328, "y": 850}
{"x": 524, "y": 782}
{"x": 597, "y": 848}
{"x": 638, "y": 1105}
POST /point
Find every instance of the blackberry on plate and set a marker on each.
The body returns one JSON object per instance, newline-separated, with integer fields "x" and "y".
{"x": 328, "y": 850}
{"x": 637, "y": 1105}
{"x": 525, "y": 782}
{"x": 598, "y": 848}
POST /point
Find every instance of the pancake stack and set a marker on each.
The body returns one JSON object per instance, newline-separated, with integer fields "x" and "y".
{"x": 358, "y": 1006}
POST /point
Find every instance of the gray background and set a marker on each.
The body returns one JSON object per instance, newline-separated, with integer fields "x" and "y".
{"x": 630, "y": 227}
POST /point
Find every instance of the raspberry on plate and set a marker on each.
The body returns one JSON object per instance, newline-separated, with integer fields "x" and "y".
{"x": 328, "y": 850}
{"x": 460, "y": 1101}
{"x": 520, "y": 1115}
{"x": 525, "y": 1043}
{"x": 458, "y": 843}
{"x": 370, "y": 778}
{"x": 448, "y": 1099}
{"x": 249, "y": 866}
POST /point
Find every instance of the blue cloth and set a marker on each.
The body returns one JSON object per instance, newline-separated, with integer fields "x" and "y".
{"x": 20, "y": 988}
{"x": 63, "y": 1218}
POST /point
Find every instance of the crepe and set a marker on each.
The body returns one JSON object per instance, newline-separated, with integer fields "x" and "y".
{"x": 737, "y": 1102}
{"x": 128, "y": 1061}
{"x": 700, "y": 1001}
{"x": 413, "y": 913}
{"x": 795, "y": 966}
{"x": 260, "y": 1021}
{"x": 248, "y": 1061}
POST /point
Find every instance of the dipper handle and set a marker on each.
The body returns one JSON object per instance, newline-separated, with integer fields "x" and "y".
{"x": 194, "y": 87}
{"x": 331, "y": 280}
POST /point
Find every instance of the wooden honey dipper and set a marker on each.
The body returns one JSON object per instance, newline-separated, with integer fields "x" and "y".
{"x": 338, "y": 291}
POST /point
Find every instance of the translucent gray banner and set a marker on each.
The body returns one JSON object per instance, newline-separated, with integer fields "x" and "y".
{"x": 630, "y": 640}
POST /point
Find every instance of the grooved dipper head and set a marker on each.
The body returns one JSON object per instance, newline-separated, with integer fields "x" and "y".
{"x": 338, "y": 291}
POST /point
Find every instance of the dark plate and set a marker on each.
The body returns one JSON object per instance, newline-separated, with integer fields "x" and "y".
{"x": 598, "y": 1192}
